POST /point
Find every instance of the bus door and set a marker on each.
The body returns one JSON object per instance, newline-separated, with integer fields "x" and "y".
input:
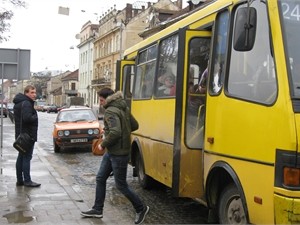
{"x": 124, "y": 78}
{"x": 189, "y": 119}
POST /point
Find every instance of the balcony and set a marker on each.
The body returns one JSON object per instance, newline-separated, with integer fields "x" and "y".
{"x": 71, "y": 92}
{"x": 99, "y": 81}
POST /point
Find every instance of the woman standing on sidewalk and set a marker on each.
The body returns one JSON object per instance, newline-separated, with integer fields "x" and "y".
{"x": 24, "y": 108}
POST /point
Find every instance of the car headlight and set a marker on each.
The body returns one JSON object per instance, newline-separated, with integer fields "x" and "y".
{"x": 67, "y": 133}
{"x": 60, "y": 133}
{"x": 93, "y": 131}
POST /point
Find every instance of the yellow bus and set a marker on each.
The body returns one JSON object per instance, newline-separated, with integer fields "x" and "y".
{"x": 232, "y": 141}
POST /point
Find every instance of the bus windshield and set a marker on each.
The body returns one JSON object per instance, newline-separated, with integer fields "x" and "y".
{"x": 290, "y": 14}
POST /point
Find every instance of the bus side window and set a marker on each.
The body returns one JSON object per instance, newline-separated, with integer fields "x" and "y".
{"x": 168, "y": 57}
{"x": 144, "y": 81}
{"x": 148, "y": 81}
{"x": 252, "y": 74}
{"x": 128, "y": 80}
{"x": 219, "y": 53}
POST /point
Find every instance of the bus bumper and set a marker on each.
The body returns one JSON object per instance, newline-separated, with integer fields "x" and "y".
{"x": 287, "y": 210}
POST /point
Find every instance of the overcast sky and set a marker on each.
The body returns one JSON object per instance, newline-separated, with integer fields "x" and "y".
{"x": 49, "y": 35}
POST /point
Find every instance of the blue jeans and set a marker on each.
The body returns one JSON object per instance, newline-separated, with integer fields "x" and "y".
{"x": 117, "y": 164}
{"x": 23, "y": 166}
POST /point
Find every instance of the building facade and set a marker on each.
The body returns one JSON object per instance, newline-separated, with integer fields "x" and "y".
{"x": 87, "y": 35}
{"x": 118, "y": 30}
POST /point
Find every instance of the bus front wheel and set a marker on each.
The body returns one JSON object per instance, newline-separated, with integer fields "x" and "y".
{"x": 230, "y": 208}
{"x": 144, "y": 179}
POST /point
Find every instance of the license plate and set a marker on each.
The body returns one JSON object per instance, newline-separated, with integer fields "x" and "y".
{"x": 79, "y": 140}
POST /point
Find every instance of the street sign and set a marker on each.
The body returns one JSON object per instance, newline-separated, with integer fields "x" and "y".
{"x": 14, "y": 64}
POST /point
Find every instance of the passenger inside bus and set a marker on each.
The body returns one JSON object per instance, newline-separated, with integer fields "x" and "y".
{"x": 147, "y": 86}
{"x": 167, "y": 87}
{"x": 203, "y": 81}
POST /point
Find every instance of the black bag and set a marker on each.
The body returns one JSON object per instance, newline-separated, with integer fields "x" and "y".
{"x": 23, "y": 143}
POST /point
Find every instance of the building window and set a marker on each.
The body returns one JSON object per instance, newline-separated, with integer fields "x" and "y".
{"x": 73, "y": 86}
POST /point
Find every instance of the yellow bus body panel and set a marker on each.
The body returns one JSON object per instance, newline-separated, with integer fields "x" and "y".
{"x": 156, "y": 134}
{"x": 191, "y": 177}
{"x": 255, "y": 183}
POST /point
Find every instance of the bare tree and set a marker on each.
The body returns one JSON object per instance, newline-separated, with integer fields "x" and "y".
{"x": 5, "y": 17}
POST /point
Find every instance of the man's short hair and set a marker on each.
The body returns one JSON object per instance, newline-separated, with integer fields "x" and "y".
{"x": 28, "y": 88}
{"x": 105, "y": 92}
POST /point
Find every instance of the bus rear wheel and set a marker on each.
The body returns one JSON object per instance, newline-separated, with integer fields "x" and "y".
{"x": 230, "y": 208}
{"x": 144, "y": 180}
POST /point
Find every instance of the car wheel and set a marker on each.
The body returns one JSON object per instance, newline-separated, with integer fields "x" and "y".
{"x": 230, "y": 208}
{"x": 144, "y": 180}
{"x": 56, "y": 147}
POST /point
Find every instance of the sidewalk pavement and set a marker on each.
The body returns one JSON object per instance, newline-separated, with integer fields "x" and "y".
{"x": 54, "y": 202}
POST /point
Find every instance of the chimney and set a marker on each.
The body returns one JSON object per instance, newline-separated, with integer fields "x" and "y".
{"x": 128, "y": 11}
{"x": 179, "y": 4}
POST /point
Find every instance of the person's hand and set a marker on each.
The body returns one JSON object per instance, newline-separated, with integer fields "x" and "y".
{"x": 100, "y": 147}
{"x": 202, "y": 90}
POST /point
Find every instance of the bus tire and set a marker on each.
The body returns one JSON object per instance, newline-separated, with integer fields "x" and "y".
{"x": 230, "y": 207}
{"x": 56, "y": 147}
{"x": 144, "y": 179}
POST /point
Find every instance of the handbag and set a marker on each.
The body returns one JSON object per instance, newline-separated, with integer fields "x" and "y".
{"x": 95, "y": 149}
{"x": 24, "y": 142}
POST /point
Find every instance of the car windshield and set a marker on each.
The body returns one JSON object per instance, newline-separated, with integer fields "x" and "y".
{"x": 76, "y": 115}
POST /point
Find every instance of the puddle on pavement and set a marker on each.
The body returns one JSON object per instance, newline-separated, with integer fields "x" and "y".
{"x": 18, "y": 217}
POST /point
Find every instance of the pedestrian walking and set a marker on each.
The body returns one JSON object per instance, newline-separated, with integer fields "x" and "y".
{"x": 26, "y": 118}
{"x": 118, "y": 125}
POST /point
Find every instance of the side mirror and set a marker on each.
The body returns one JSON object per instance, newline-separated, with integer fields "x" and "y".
{"x": 245, "y": 29}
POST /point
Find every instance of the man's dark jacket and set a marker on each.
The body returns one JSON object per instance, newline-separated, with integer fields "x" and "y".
{"x": 25, "y": 105}
{"x": 118, "y": 125}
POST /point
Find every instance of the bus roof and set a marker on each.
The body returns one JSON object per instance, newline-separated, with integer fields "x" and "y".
{"x": 199, "y": 13}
